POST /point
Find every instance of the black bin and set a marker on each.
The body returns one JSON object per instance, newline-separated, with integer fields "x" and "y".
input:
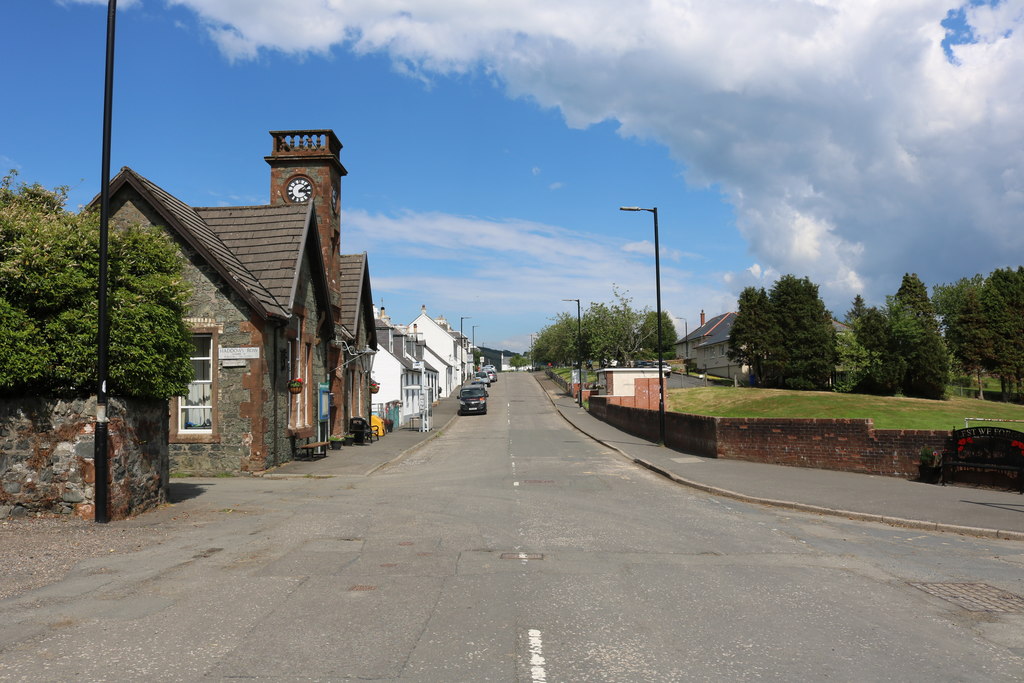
{"x": 360, "y": 429}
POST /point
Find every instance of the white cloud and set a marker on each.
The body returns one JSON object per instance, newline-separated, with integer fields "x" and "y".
{"x": 851, "y": 148}
{"x": 526, "y": 267}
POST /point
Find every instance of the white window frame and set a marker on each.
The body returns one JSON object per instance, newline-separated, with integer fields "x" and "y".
{"x": 182, "y": 408}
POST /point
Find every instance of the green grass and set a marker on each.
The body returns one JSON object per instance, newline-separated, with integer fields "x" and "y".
{"x": 887, "y": 412}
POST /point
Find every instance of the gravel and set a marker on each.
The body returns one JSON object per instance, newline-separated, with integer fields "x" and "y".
{"x": 38, "y": 551}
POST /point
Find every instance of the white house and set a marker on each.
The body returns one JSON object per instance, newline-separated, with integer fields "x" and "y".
{"x": 406, "y": 372}
{"x": 447, "y": 346}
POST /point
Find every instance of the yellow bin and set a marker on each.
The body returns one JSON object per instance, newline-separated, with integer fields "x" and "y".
{"x": 377, "y": 425}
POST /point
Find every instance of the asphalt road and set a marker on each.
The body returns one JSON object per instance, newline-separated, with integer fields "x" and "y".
{"x": 513, "y": 548}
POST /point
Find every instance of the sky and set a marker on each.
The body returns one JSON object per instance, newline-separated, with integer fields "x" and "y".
{"x": 489, "y": 146}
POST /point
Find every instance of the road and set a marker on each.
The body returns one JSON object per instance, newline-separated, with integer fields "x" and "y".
{"x": 513, "y": 548}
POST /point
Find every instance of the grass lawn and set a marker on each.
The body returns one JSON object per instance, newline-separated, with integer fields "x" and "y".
{"x": 887, "y": 412}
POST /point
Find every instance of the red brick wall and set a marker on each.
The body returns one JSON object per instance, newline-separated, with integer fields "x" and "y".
{"x": 845, "y": 445}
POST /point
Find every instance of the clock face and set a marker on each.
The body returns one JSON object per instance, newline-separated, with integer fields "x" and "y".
{"x": 299, "y": 189}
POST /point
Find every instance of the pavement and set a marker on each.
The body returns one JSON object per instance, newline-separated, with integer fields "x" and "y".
{"x": 365, "y": 459}
{"x": 888, "y": 500}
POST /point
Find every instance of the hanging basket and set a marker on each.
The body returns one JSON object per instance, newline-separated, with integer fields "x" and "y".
{"x": 374, "y": 388}
{"x": 295, "y": 386}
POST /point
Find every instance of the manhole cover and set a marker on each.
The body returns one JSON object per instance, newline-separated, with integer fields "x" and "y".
{"x": 976, "y": 597}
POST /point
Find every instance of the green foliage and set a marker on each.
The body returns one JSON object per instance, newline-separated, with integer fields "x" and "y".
{"x": 918, "y": 340}
{"x": 785, "y": 336}
{"x": 806, "y": 356}
{"x": 883, "y": 370}
{"x": 649, "y": 334}
{"x": 754, "y": 334}
{"x": 49, "y": 272}
{"x": 1002, "y": 303}
{"x": 856, "y": 310}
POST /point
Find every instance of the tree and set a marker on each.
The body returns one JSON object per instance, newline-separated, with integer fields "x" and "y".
{"x": 1002, "y": 300}
{"x": 967, "y": 331}
{"x": 884, "y": 369}
{"x": 806, "y": 356}
{"x": 649, "y": 333}
{"x": 49, "y": 265}
{"x": 556, "y": 343}
{"x": 917, "y": 340}
{"x": 856, "y": 310}
{"x": 754, "y": 335}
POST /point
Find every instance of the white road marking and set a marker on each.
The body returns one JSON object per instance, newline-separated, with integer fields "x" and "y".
{"x": 515, "y": 483}
{"x": 537, "y": 663}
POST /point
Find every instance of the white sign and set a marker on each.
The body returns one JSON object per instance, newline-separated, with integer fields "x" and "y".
{"x": 238, "y": 352}
{"x": 417, "y": 365}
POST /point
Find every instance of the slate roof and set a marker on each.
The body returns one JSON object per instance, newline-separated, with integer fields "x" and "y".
{"x": 356, "y": 296}
{"x": 256, "y": 249}
{"x": 267, "y": 240}
{"x": 714, "y": 331}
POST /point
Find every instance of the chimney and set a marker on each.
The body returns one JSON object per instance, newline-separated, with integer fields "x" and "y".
{"x": 702, "y": 318}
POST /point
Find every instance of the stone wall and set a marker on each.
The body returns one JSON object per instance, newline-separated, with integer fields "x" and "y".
{"x": 47, "y": 448}
{"x": 845, "y": 445}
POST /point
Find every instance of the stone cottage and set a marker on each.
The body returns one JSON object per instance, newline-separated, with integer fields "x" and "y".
{"x": 278, "y": 336}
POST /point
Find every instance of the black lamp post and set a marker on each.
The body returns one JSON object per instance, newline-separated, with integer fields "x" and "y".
{"x": 657, "y": 284}
{"x": 100, "y": 462}
{"x": 579, "y": 346}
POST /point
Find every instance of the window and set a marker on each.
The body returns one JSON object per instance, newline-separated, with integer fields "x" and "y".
{"x": 195, "y": 412}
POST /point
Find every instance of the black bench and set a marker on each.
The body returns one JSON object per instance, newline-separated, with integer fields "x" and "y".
{"x": 985, "y": 449}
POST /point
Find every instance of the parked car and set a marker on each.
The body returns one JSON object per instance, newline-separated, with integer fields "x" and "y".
{"x": 473, "y": 400}
{"x": 492, "y": 375}
{"x": 483, "y": 376}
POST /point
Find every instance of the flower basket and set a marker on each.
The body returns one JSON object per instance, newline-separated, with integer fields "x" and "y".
{"x": 295, "y": 385}
{"x": 335, "y": 442}
{"x": 374, "y": 386}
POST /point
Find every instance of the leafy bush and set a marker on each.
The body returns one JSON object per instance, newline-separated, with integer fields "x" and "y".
{"x": 49, "y": 273}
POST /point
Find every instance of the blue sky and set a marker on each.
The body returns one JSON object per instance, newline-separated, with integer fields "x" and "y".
{"x": 489, "y": 148}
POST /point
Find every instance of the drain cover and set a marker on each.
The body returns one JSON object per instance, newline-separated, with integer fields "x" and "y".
{"x": 976, "y": 597}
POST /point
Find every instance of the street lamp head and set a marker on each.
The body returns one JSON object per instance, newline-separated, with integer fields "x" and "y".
{"x": 576, "y": 300}
{"x": 630, "y": 208}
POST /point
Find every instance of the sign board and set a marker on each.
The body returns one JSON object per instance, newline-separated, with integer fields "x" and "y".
{"x": 324, "y": 401}
{"x": 413, "y": 387}
{"x": 418, "y": 365}
{"x": 235, "y": 352}
{"x": 234, "y": 363}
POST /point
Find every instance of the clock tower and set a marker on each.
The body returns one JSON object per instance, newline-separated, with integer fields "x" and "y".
{"x": 305, "y": 166}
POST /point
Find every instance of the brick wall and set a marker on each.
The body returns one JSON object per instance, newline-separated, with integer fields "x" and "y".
{"x": 845, "y": 445}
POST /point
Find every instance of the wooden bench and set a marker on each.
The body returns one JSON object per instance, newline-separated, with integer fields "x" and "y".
{"x": 311, "y": 451}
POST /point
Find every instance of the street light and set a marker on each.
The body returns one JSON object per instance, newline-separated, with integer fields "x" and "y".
{"x": 579, "y": 345}
{"x": 462, "y": 344}
{"x": 657, "y": 285}
{"x": 100, "y": 460}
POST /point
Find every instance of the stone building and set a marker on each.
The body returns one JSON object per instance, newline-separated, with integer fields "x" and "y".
{"x": 272, "y": 303}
